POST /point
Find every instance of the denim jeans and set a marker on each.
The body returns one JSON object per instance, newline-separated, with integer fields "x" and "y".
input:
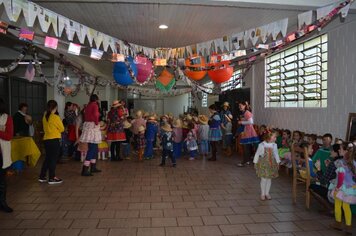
{"x": 92, "y": 151}
{"x": 149, "y": 149}
{"x": 177, "y": 150}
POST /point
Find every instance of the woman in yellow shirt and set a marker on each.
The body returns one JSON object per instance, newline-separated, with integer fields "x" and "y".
{"x": 53, "y": 127}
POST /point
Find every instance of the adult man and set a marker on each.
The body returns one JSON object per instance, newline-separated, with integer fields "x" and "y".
{"x": 22, "y": 121}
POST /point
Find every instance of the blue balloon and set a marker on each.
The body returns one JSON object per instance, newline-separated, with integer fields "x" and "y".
{"x": 121, "y": 73}
{"x": 68, "y": 83}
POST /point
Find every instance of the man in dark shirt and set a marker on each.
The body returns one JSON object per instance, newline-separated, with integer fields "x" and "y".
{"x": 22, "y": 121}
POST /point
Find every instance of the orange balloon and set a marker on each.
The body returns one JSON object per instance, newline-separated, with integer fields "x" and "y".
{"x": 197, "y": 63}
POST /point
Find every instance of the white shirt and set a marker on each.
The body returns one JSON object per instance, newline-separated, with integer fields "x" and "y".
{"x": 261, "y": 151}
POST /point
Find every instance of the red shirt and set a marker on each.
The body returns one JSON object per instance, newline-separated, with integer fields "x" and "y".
{"x": 9, "y": 130}
{"x": 91, "y": 113}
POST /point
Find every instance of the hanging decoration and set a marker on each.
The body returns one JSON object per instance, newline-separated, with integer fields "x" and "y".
{"x": 30, "y": 72}
{"x": 144, "y": 69}
{"x": 195, "y": 68}
{"x": 15, "y": 63}
{"x": 125, "y": 72}
{"x": 220, "y": 71}
{"x": 165, "y": 81}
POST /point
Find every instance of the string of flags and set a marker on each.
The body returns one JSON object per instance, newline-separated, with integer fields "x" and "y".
{"x": 234, "y": 47}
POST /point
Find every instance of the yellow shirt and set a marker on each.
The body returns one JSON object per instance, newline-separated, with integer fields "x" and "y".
{"x": 53, "y": 127}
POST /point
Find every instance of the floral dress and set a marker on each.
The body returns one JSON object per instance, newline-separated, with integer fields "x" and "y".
{"x": 347, "y": 186}
{"x": 267, "y": 160}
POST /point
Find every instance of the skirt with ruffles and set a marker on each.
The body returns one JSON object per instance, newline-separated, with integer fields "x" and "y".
{"x": 91, "y": 133}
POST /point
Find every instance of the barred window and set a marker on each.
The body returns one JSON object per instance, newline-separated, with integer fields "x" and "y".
{"x": 297, "y": 77}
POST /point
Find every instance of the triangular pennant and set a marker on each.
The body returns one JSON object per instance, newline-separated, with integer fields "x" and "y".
{"x": 17, "y": 7}
{"x": 90, "y": 35}
{"x": 345, "y": 10}
{"x": 83, "y": 31}
{"x": 8, "y": 10}
{"x": 236, "y": 39}
{"x": 324, "y": 11}
{"x": 98, "y": 39}
{"x": 304, "y": 19}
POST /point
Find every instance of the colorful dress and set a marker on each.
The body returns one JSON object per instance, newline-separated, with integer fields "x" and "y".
{"x": 267, "y": 160}
{"x": 214, "y": 124}
{"x": 249, "y": 135}
{"x": 347, "y": 186}
{"x": 286, "y": 143}
{"x": 116, "y": 125}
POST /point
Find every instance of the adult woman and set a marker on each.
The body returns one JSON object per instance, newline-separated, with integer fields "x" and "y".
{"x": 52, "y": 127}
{"x": 91, "y": 135}
{"x": 6, "y": 134}
{"x": 116, "y": 133}
{"x": 214, "y": 131}
{"x": 249, "y": 135}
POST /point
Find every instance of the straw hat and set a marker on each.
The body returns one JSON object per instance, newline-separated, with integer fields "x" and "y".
{"x": 164, "y": 116}
{"x": 226, "y": 104}
{"x": 229, "y": 117}
{"x": 116, "y": 103}
{"x": 177, "y": 123}
{"x": 151, "y": 119}
{"x": 141, "y": 129}
{"x": 127, "y": 125}
{"x": 189, "y": 117}
{"x": 167, "y": 127}
{"x": 203, "y": 119}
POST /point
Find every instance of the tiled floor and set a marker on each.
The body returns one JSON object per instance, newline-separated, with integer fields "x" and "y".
{"x": 129, "y": 198}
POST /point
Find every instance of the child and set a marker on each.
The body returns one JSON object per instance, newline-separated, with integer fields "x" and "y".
{"x": 151, "y": 133}
{"x": 126, "y": 144}
{"x": 167, "y": 144}
{"x": 343, "y": 190}
{"x": 312, "y": 141}
{"x": 177, "y": 138}
{"x": 267, "y": 163}
{"x": 262, "y": 131}
{"x": 136, "y": 123}
{"x": 140, "y": 141}
{"x": 203, "y": 135}
{"x": 103, "y": 147}
{"x": 227, "y": 127}
{"x": 215, "y": 134}
{"x": 192, "y": 145}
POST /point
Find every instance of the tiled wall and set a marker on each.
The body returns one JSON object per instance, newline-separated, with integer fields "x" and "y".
{"x": 341, "y": 88}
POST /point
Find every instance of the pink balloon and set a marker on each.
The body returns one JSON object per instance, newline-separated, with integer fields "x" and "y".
{"x": 144, "y": 68}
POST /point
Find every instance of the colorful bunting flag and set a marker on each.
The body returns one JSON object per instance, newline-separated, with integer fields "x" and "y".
{"x": 30, "y": 72}
{"x": 51, "y": 42}
{"x": 74, "y": 49}
{"x": 117, "y": 57}
{"x": 26, "y": 34}
{"x": 262, "y": 46}
{"x": 96, "y": 54}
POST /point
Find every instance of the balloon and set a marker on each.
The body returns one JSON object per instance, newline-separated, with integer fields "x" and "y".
{"x": 222, "y": 73}
{"x": 121, "y": 72}
{"x": 68, "y": 82}
{"x": 195, "y": 68}
{"x": 67, "y": 90}
{"x": 144, "y": 69}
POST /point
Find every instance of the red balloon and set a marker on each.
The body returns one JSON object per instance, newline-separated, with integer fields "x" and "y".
{"x": 221, "y": 74}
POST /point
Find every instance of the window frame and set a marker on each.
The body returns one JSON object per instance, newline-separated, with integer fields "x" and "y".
{"x": 276, "y": 67}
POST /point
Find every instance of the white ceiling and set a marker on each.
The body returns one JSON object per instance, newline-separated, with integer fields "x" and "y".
{"x": 189, "y": 21}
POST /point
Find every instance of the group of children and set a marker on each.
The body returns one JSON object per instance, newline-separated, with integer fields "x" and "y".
{"x": 332, "y": 162}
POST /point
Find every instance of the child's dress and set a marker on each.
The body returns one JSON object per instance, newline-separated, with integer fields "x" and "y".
{"x": 267, "y": 160}
{"x": 192, "y": 145}
{"x": 346, "y": 184}
{"x": 103, "y": 146}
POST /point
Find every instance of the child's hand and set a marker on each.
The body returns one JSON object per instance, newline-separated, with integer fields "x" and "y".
{"x": 317, "y": 165}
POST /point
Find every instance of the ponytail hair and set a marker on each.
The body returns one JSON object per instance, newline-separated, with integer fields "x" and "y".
{"x": 51, "y": 105}
{"x": 268, "y": 135}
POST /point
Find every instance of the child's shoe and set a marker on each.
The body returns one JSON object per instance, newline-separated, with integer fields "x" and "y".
{"x": 348, "y": 229}
{"x": 336, "y": 225}
{"x": 268, "y": 197}
{"x": 263, "y": 197}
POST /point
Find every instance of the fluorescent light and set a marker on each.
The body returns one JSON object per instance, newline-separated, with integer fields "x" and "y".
{"x": 163, "y": 27}
{"x": 27, "y": 63}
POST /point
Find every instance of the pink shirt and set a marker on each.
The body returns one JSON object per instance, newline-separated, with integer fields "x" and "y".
{"x": 136, "y": 123}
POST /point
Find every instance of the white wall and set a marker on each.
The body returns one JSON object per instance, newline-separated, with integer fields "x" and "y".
{"x": 341, "y": 89}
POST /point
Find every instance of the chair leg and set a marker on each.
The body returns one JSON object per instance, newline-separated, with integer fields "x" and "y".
{"x": 294, "y": 191}
{"x": 307, "y": 199}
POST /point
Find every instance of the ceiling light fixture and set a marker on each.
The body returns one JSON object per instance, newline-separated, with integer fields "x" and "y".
{"x": 163, "y": 27}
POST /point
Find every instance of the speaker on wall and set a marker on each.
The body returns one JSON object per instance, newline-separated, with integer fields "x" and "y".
{"x": 104, "y": 105}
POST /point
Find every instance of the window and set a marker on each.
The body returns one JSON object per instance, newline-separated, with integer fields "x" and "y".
{"x": 231, "y": 84}
{"x": 297, "y": 77}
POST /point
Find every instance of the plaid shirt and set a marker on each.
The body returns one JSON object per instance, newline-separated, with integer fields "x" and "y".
{"x": 329, "y": 174}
